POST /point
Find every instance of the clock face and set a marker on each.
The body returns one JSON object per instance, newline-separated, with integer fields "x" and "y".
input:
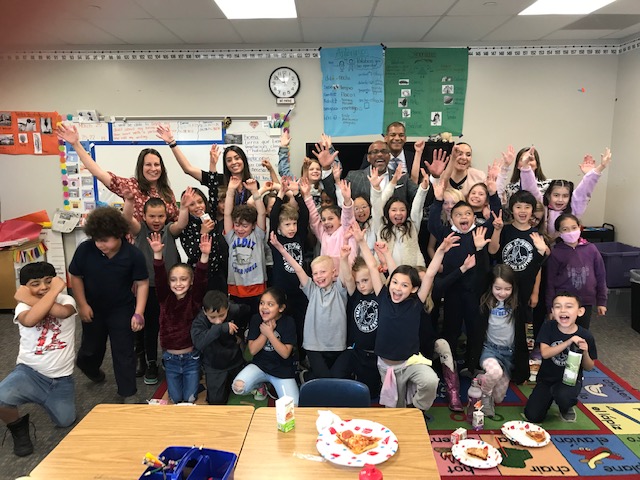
{"x": 284, "y": 82}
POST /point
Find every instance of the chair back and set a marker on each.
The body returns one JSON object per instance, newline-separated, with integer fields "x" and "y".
{"x": 334, "y": 392}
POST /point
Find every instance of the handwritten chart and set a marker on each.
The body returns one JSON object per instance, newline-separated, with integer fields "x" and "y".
{"x": 208, "y": 130}
{"x": 352, "y": 90}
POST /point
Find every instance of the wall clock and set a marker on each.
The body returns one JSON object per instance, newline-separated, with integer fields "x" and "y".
{"x": 284, "y": 82}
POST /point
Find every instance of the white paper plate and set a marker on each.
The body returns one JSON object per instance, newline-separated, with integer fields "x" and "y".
{"x": 334, "y": 451}
{"x": 516, "y": 431}
{"x": 459, "y": 451}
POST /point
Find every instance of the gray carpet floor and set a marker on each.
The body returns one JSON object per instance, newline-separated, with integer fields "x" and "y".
{"x": 618, "y": 348}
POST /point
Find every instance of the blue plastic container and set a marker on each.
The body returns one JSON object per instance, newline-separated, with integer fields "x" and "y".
{"x": 619, "y": 259}
{"x": 194, "y": 463}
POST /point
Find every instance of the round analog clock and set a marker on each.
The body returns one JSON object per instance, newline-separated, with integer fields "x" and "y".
{"x": 284, "y": 82}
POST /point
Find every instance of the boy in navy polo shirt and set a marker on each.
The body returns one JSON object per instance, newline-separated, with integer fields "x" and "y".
{"x": 102, "y": 273}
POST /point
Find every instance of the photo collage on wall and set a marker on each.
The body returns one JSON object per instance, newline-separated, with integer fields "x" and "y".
{"x": 28, "y": 133}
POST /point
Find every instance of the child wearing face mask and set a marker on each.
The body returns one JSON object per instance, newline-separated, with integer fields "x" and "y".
{"x": 576, "y": 266}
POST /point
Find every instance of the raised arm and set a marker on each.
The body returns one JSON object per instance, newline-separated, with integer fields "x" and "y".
{"x": 127, "y": 212}
{"x": 417, "y": 161}
{"x": 417, "y": 205}
{"x": 346, "y": 277}
{"x": 447, "y": 244}
{"x": 300, "y": 273}
{"x": 69, "y": 133}
{"x": 252, "y": 186}
{"x": 284, "y": 164}
{"x": 164, "y": 133}
{"x": 266, "y": 163}
{"x": 369, "y": 259}
{"x": 494, "y": 246}
{"x": 178, "y": 226}
{"x": 234, "y": 183}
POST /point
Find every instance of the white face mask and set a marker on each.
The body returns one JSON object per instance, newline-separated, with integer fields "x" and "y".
{"x": 570, "y": 237}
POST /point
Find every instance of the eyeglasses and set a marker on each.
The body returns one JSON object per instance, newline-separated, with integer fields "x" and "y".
{"x": 361, "y": 209}
{"x": 376, "y": 152}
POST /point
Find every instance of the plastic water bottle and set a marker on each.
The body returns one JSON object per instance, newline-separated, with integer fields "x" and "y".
{"x": 474, "y": 395}
{"x": 572, "y": 366}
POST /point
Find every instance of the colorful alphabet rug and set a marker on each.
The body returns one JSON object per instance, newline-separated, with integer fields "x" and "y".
{"x": 604, "y": 442}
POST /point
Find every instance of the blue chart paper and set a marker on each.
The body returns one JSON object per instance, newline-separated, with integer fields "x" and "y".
{"x": 352, "y": 90}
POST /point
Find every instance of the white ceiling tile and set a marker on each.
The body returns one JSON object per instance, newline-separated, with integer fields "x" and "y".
{"x": 412, "y": 8}
{"x": 577, "y": 34}
{"x": 80, "y": 32}
{"x": 334, "y": 8}
{"x": 90, "y": 9}
{"x": 137, "y": 31}
{"x": 203, "y": 31}
{"x": 398, "y": 29}
{"x": 530, "y": 27}
{"x": 338, "y": 30}
{"x": 621, "y": 6}
{"x": 180, "y": 9}
{"x": 478, "y": 7}
{"x": 456, "y": 29}
{"x": 625, "y": 33}
{"x": 268, "y": 31}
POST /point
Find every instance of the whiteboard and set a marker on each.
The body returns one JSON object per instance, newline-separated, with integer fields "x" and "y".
{"x": 254, "y": 137}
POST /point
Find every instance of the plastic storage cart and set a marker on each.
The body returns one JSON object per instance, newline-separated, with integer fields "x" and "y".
{"x": 619, "y": 259}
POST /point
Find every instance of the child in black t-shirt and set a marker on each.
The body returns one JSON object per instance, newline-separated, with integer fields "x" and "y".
{"x": 555, "y": 337}
{"x": 291, "y": 226}
{"x": 362, "y": 324}
{"x": 271, "y": 338}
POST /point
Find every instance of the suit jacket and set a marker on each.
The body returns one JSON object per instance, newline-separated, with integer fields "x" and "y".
{"x": 405, "y": 189}
{"x": 409, "y": 153}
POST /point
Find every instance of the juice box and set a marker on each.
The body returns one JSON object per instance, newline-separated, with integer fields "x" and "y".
{"x": 284, "y": 414}
{"x": 458, "y": 434}
{"x": 478, "y": 420}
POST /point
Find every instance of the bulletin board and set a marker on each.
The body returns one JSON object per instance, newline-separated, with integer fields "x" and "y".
{"x": 115, "y": 147}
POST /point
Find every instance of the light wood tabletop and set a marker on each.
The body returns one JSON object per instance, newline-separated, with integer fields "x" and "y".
{"x": 111, "y": 440}
{"x": 269, "y": 453}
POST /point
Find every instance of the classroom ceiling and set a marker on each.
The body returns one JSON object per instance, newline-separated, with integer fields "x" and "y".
{"x": 135, "y": 24}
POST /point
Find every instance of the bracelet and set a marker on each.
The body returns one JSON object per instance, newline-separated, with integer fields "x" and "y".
{"x": 174, "y": 144}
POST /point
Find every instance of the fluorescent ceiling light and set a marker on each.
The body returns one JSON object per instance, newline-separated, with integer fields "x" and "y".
{"x": 245, "y": 9}
{"x": 564, "y": 7}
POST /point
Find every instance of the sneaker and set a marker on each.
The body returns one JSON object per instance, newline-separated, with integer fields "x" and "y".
{"x": 141, "y": 366}
{"x": 569, "y": 415}
{"x": 99, "y": 378}
{"x": 260, "y": 393}
{"x": 19, "y": 429}
{"x": 151, "y": 375}
{"x": 488, "y": 406}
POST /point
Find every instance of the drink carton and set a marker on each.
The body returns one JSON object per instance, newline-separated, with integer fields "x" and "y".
{"x": 458, "y": 434}
{"x": 284, "y": 413}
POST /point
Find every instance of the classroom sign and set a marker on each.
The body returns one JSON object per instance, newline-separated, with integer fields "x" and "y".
{"x": 28, "y": 133}
{"x": 352, "y": 90}
{"x": 425, "y": 89}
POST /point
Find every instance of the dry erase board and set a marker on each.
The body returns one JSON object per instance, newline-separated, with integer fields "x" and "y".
{"x": 124, "y": 141}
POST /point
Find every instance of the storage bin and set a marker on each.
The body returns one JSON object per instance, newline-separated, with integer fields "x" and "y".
{"x": 194, "y": 463}
{"x": 619, "y": 302}
{"x": 619, "y": 259}
{"x": 605, "y": 233}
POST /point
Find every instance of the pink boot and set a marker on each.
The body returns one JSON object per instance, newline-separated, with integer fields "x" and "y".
{"x": 453, "y": 388}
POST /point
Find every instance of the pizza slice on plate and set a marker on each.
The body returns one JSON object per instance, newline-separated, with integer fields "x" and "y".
{"x": 481, "y": 453}
{"x": 356, "y": 442}
{"x": 537, "y": 435}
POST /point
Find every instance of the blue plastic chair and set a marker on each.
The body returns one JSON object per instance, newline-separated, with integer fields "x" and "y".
{"x": 334, "y": 392}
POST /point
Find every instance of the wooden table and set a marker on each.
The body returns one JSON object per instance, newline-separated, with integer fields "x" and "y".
{"x": 269, "y": 453}
{"x": 110, "y": 442}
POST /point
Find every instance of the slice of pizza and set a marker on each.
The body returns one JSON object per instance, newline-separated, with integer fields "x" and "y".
{"x": 537, "y": 435}
{"x": 356, "y": 442}
{"x": 481, "y": 453}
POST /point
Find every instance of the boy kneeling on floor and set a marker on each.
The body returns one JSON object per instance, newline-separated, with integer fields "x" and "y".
{"x": 43, "y": 374}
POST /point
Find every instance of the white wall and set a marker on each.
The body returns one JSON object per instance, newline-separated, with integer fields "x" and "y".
{"x": 623, "y": 198}
{"x": 521, "y": 101}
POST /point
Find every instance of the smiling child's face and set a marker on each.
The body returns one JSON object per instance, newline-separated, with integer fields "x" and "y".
{"x": 463, "y": 218}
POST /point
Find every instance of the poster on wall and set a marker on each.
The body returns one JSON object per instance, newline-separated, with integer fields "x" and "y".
{"x": 28, "y": 133}
{"x": 425, "y": 89}
{"x": 352, "y": 90}
{"x": 78, "y": 185}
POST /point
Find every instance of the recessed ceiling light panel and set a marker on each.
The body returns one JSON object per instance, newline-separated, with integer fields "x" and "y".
{"x": 252, "y": 9}
{"x": 565, "y": 7}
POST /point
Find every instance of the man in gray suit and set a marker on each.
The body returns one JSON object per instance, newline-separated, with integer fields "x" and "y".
{"x": 378, "y": 156}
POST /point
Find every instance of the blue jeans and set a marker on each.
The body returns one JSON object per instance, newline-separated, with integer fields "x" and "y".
{"x": 504, "y": 356}
{"x": 183, "y": 375}
{"x": 252, "y": 377}
{"x": 56, "y": 395}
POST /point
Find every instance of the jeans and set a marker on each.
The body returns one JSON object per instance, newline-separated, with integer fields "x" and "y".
{"x": 504, "y": 356}
{"x": 252, "y": 377}
{"x": 183, "y": 375}
{"x": 56, "y": 395}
